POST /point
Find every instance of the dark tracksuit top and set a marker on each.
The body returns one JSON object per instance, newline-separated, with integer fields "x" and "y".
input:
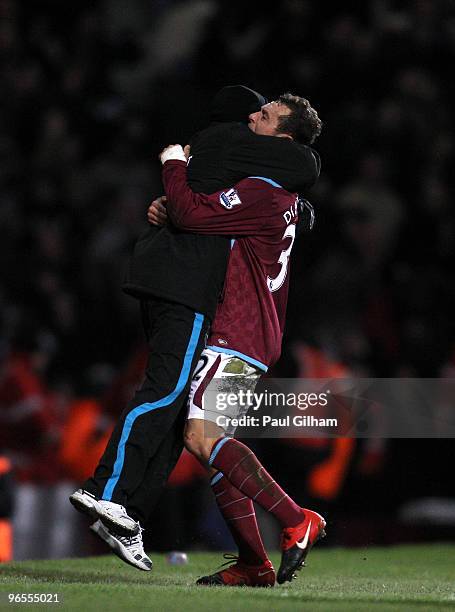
{"x": 179, "y": 276}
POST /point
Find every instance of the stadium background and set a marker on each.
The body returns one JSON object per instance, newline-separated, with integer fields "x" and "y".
{"x": 91, "y": 93}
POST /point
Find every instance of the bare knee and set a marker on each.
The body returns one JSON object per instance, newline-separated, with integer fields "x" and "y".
{"x": 197, "y": 446}
{"x": 196, "y": 442}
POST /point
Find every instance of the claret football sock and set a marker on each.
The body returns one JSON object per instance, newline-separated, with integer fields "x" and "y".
{"x": 238, "y": 512}
{"x": 241, "y": 467}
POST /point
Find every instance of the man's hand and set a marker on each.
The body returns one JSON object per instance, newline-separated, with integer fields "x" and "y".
{"x": 157, "y": 214}
{"x": 174, "y": 151}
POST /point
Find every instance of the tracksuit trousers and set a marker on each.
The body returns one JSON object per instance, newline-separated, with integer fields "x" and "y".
{"x": 148, "y": 438}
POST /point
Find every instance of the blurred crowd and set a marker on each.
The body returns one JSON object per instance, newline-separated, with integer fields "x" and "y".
{"x": 92, "y": 91}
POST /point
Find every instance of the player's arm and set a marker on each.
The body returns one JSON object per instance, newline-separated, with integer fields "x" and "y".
{"x": 234, "y": 212}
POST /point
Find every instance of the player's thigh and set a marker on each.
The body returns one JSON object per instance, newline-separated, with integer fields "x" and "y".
{"x": 218, "y": 392}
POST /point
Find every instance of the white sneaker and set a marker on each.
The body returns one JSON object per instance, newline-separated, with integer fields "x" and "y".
{"x": 85, "y": 502}
{"x": 114, "y": 516}
{"x": 116, "y": 519}
{"x": 129, "y": 549}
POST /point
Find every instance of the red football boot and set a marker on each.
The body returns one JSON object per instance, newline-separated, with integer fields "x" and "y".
{"x": 241, "y": 574}
{"x": 296, "y": 543}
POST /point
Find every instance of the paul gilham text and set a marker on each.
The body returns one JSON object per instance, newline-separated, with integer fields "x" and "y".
{"x": 299, "y": 420}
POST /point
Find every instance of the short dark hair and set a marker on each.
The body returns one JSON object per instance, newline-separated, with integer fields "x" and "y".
{"x": 303, "y": 124}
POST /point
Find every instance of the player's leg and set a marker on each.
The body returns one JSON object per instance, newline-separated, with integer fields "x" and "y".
{"x": 252, "y": 567}
{"x": 141, "y": 504}
{"x": 177, "y": 336}
{"x": 301, "y": 527}
{"x": 240, "y": 516}
{"x": 144, "y": 499}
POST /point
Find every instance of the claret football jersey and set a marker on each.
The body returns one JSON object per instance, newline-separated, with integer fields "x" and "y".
{"x": 249, "y": 320}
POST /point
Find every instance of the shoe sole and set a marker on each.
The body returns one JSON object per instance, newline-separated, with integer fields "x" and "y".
{"x": 216, "y": 579}
{"x": 92, "y": 510}
{"x": 84, "y": 507}
{"x": 116, "y": 549}
{"x": 236, "y": 586}
{"x": 290, "y": 574}
{"x": 239, "y": 586}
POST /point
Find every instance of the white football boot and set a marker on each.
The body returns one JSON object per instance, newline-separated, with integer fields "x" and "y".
{"x": 130, "y": 549}
{"x": 114, "y": 516}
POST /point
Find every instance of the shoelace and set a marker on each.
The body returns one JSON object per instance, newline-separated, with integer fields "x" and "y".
{"x": 132, "y": 541}
{"x": 230, "y": 559}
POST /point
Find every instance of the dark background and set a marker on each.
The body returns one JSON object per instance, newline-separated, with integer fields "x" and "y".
{"x": 92, "y": 91}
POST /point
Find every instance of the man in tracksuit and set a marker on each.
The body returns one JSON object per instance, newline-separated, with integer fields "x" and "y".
{"x": 179, "y": 278}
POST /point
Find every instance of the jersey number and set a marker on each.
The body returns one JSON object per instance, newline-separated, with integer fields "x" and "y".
{"x": 203, "y": 360}
{"x": 275, "y": 283}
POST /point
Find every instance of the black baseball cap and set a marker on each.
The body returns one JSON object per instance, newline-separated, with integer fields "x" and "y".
{"x": 235, "y": 103}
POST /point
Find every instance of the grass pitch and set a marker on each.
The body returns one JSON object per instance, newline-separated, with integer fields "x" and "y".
{"x": 401, "y": 578}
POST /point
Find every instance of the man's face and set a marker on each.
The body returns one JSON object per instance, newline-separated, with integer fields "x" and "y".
{"x": 265, "y": 122}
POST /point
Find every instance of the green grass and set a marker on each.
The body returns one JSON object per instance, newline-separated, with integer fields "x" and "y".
{"x": 398, "y": 578}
